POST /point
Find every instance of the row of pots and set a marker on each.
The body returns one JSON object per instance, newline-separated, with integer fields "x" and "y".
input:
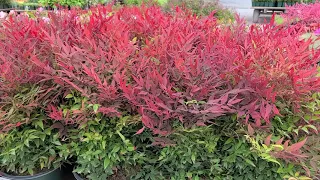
{"x": 54, "y": 174}
{"x": 264, "y": 4}
{"x": 272, "y": 4}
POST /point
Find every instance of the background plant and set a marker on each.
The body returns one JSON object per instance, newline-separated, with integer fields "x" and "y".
{"x": 202, "y": 8}
{"x": 304, "y": 16}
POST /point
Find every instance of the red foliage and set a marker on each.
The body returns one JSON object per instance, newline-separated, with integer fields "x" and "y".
{"x": 164, "y": 66}
{"x": 307, "y": 15}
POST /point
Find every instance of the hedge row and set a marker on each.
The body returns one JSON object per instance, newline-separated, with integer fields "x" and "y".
{"x": 141, "y": 93}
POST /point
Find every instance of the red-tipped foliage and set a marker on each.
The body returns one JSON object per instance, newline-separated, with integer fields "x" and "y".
{"x": 305, "y": 16}
{"x": 166, "y": 67}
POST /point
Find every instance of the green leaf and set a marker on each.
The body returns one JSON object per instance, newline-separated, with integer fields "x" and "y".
{"x": 39, "y": 124}
{"x": 96, "y": 107}
{"x": 37, "y": 142}
{"x": 116, "y": 148}
{"x": 26, "y": 142}
{"x": 305, "y": 129}
{"x": 33, "y": 137}
{"x": 130, "y": 148}
{"x": 76, "y": 107}
{"x": 69, "y": 96}
{"x": 52, "y": 152}
{"x": 48, "y": 131}
{"x": 121, "y": 136}
{"x": 279, "y": 20}
{"x": 106, "y": 163}
{"x": 193, "y": 158}
{"x": 65, "y": 111}
{"x": 57, "y": 143}
{"x": 304, "y": 178}
{"x": 79, "y": 170}
{"x": 189, "y": 175}
{"x": 270, "y": 159}
{"x": 250, "y": 162}
{"x": 312, "y": 127}
{"x": 229, "y": 141}
{"x": 103, "y": 143}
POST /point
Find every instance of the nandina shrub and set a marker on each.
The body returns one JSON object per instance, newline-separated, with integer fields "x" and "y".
{"x": 166, "y": 66}
{"x": 192, "y": 73}
{"x": 42, "y": 55}
{"x": 305, "y": 16}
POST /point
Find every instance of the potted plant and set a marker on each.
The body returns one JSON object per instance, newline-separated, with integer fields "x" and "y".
{"x": 272, "y": 3}
{"x": 265, "y": 3}
{"x": 32, "y": 152}
{"x": 255, "y": 3}
{"x": 280, "y": 3}
{"x": 260, "y": 3}
{"x": 289, "y": 2}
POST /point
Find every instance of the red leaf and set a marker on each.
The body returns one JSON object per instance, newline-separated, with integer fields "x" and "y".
{"x": 109, "y": 111}
{"x": 234, "y": 101}
{"x": 250, "y": 130}
{"x": 267, "y": 140}
{"x": 267, "y": 112}
{"x": 140, "y": 130}
{"x": 285, "y": 145}
{"x": 297, "y": 146}
{"x": 276, "y": 111}
{"x": 18, "y": 124}
{"x": 179, "y": 64}
{"x": 279, "y": 142}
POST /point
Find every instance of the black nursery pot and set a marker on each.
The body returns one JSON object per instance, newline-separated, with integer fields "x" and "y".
{"x": 54, "y": 174}
{"x": 77, "y": 176}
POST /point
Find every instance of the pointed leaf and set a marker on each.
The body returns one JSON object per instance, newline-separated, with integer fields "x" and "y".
{"x": 106, "y": 163}
{"x": 279, "y": 141}
{"x": 140, "y": 130}
{"x": 250, "y": 130}
{"x": 297, "y": 146}
{"x": 267, "y": 140}
{"x": 96, "y": 107}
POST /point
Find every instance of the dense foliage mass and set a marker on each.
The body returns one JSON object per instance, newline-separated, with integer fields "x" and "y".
{"x": 142, "y": 93}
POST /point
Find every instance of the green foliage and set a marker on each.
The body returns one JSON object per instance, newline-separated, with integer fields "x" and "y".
{"x": 202, "y": 8}
{"x": 100, "y": 147}
{"x": 32, "y": 148}
{"x": 50, "y": 3}
{"x": 72, "y": 3}
{"x": 18, "y": 107}
{"x": 214, "y": 152}
{"x": 5, "y": 3}
{"x": 314, "y": 108}
{"x": 139, "y": 2}
{"x": 133, "y": 2}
